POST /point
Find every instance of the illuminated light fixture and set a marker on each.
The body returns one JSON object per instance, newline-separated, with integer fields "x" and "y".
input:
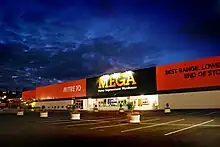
{"x": 128, "y": 73}
{"x": 4, "y": 96}
{"x": 4, "y": 91}
{"x": 116, "y": 75}
{"x": 105, "y": 77}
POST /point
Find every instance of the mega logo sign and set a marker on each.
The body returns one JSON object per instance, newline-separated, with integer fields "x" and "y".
{"x": 117, "y": 81}
{"x": 192, "y": 74}
{"x": 123, "y": 84}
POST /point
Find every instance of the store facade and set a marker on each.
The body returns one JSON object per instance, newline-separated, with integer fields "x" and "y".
{"x": 186, "y": 85}
{"x": 190, "y": 85}
{"x": 107, "y": 92}
{"x": 59, "y": 96}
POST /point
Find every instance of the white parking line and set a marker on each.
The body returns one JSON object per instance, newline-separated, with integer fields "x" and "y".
{"x": 109, "y": 126}
{"x": 211, "y": 125}
{"x": 90, "y": 119}
{"x": 107, "y": 119}
{"x": 210, "y": 113}
{"x": 51, "y": 121}
{"x": 193, "y": 113}
{"x": 187, "y": 128}
{"x": 121, "y": 124}
{"x": 85, "y": 124}
{"x": 77, "y": 121}
{"x": 160, "y": 124}
{"x": 66, "y": 122}
{"x": 183, "y": 125}
{"x": 169, "y": 124}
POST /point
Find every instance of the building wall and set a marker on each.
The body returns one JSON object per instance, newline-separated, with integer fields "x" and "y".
{"x": 50, "y": 105}
{"x": 191, "y": 100}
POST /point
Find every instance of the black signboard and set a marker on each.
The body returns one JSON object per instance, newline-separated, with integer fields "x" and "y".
{"x": 129, "y": 83}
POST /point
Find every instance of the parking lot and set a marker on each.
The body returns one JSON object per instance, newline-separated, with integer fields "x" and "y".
{"x": 180, "y": 128}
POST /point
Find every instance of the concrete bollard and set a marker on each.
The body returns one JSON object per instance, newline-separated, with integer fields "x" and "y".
{"x": 20, "y": 113}
{"x": 75, "y": 116}
{"x": 167, "y": 110}
{"x": 43, "y": 114}
{"x": 134, "y": 117}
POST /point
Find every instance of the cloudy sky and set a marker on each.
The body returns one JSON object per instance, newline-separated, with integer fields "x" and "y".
{"x": 44, "y": 42}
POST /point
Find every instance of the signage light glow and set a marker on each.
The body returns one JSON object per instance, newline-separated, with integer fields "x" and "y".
{"x": 117, "y": 81}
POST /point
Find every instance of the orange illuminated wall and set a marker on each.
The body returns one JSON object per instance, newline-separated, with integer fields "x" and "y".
{"x": 70, "y": 89}
{"x": 193, "y": 74}
{"x": 29, "y": 94}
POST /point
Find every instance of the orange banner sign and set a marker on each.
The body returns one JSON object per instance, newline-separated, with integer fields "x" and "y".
{"x": 193, "y": 74}
{"x": 70, "y": 89}
{"x": 29, "y": 94}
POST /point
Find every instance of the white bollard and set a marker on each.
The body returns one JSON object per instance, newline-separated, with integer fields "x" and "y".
{"x": 134, "y": 118}
{"x": 75, "y": 116}
{"x": 96, "y": 110}
{"x": 43, "y": 114}
{"x": 167, "y": 110}
{"x": 20, "y": 113}
{"x": 121, "y": 110}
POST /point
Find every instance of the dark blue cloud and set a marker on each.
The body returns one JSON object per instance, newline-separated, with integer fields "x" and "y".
{"x": 43, "y": 42}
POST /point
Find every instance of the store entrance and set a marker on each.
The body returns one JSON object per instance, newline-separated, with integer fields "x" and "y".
{"x": 79, "y": 104}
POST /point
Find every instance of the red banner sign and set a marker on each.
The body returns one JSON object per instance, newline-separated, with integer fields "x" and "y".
{"x": 29, "y": 94}
{"x": 192, "y": 74}
{"x": 70, "y": 89}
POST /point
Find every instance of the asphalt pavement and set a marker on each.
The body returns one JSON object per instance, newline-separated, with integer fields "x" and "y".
{"x": 180, "y": 128}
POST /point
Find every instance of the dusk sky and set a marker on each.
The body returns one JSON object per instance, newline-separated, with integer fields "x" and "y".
{"x": 45, "y": 42}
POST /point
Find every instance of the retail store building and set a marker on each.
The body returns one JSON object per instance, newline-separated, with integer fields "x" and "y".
{"x": 187, "y": 85}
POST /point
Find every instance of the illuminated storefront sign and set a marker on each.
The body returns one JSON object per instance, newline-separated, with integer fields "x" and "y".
{"x": 72, "y": 88}
{"x": 76, "y": 88}
{"x": 138, "y": 82}
{"x": 117, "y": 82}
